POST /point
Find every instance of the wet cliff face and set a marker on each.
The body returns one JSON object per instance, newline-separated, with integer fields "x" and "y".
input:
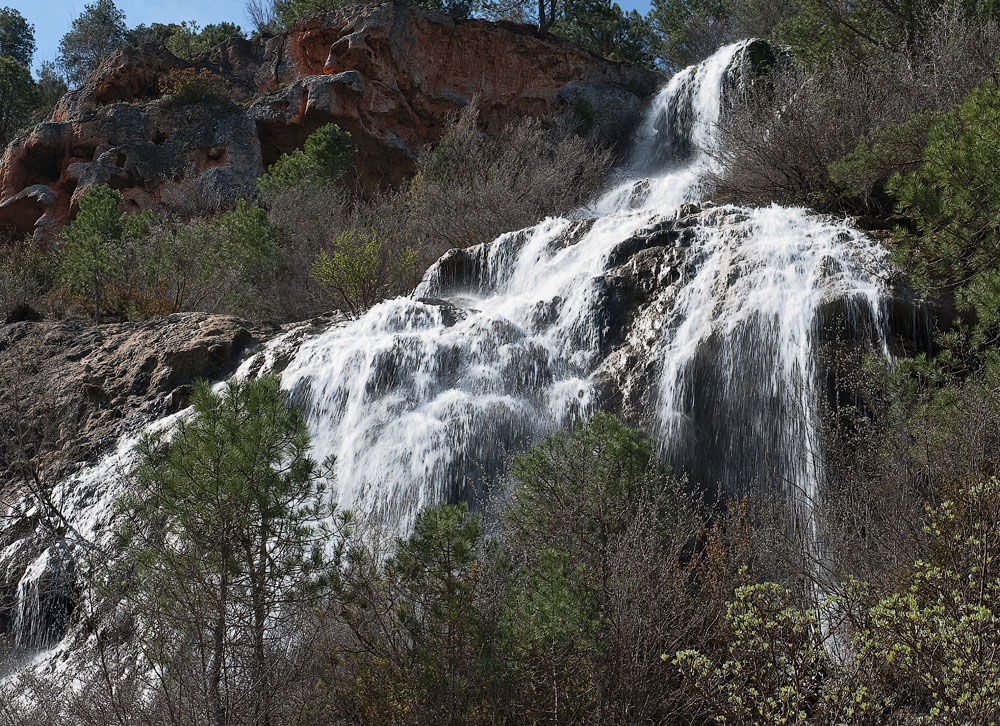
{"x": 392, "y": 75}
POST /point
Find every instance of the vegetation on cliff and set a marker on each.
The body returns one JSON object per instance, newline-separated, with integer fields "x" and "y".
{"x": 594, "y": 587}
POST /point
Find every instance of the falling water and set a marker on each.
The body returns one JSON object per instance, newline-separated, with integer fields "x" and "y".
{"x": 424, "y": 397}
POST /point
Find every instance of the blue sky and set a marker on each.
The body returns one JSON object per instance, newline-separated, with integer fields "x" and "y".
{"x": 52, "y": 17}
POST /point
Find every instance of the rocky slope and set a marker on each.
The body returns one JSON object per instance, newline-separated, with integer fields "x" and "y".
{"x": 391, "y": 74}
{"x": 69, "y": 386}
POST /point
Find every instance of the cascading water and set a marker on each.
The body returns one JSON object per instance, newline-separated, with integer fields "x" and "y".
{"x": 423, "y": 397}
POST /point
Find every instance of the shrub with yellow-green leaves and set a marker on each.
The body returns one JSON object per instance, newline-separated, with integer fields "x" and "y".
{"x": 775, "y": 664}
{"x": 939, "y": 630}
{"x": 920, "y": 647}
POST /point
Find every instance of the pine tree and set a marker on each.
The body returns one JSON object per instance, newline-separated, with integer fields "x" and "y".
{"x": 223, "y": 526}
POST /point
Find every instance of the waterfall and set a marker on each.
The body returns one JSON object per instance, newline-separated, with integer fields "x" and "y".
{"x": 423, "y": 398}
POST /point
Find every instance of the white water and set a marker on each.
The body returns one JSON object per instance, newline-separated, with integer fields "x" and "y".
{"x": 420, "y": 401}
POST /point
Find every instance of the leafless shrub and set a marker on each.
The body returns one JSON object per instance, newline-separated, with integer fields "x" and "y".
{"x": 263, "y": 15}
{"x": 781, "y": 134}
{"x": 309, "y": 223}
{"x": 473, "y": 187}
{"x": 23, "y": 275}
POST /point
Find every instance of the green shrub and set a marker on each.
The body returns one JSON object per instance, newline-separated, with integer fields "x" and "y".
{"x": 290, "y": 11}
{"x": 774, "y": 673}
{"x": 951, "y": 205}
{"x": 937, "y": 627}
{"x": 325, "y": 158}
{"x": 362, "y": 269}
{"x": 189, "y": 85}
{"x": 225, "y": 263}
{"x": 189, "y": 40}
{"x": 92, "y": 255}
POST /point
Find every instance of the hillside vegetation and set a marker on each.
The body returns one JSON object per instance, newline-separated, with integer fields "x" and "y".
{"x": 591, "y": 585}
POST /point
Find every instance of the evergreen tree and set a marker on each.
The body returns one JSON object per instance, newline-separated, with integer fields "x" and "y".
{"x": 19, "y": 97}
{"x": 325, "y": 158}
{"x": 17, "y": 37}
{"x": 952, "y": 205}
{"x": 691, "y": 30}
{"x": 92, "y": 256}
{"x": 438, "y": 569}
{"x": 96, "y": 33}
{"x": 223, "y": 530}
{"x": 601, "y": 27}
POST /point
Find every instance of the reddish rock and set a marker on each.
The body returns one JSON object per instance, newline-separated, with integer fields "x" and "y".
{"x": 391, "y": 74}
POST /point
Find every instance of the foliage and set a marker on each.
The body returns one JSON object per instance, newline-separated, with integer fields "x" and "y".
{"x": 325, "y": 158}
{"x": 190, "y": 85}
{"x": 886, "y": 151}
{"x": 225, "y": 263}
{"x": 362, "y": 269}
{"x": 153, "y": 33}
{"x": 435, "y": 577}
{"x": 51, "y": 88}
{"x": 951, "y": 204}
{"x": 94, "y": 34}
{"x": 92, "y": 254}
{"x": 455, "y": 8}
{"x": 25, "y": 274}
{"x": 603, "y": 28}
{"x": 937, "y": 627}
{"x": 776, "y": 142}
{"x": 288, "y": 12}
{"x": 17, "y": 37}
{"x": 821, "y": 33}
{"x": 691, "y": 30}
{"x": 222, "y": 529}
{"x": 582, "y": 619}
{"x": 19, "y": 95}
{"x": 775, "y": 666}
{"x": 190, "y": 40}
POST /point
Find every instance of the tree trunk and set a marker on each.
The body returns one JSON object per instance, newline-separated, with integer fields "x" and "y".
{"x": 218, "y": 715}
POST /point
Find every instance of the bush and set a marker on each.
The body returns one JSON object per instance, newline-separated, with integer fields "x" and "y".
{"x": 473, "y": 187}
{"x": 776, "y": 142}
{"x": 291, "y": 11}
{"x": 595, "y": 538}
{"x": 189, "y": 40}
{"x": 362, "y": 269}
{"x": 225, "y": 264}
{"x": 190, "y": 85}
{"x": 25, "y": 275}
{"x": 308, "y": 223}
{"x": 325, "y": 158}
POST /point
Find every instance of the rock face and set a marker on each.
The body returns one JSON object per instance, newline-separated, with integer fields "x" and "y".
{"x": 74, "y": 383}
{"x": 391, "y": 74}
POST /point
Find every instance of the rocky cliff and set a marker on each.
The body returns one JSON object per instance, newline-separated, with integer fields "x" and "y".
{"x": 391, "y": 74}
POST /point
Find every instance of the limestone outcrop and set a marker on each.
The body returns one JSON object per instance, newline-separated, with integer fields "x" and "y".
{"x": 391, "y": 74}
